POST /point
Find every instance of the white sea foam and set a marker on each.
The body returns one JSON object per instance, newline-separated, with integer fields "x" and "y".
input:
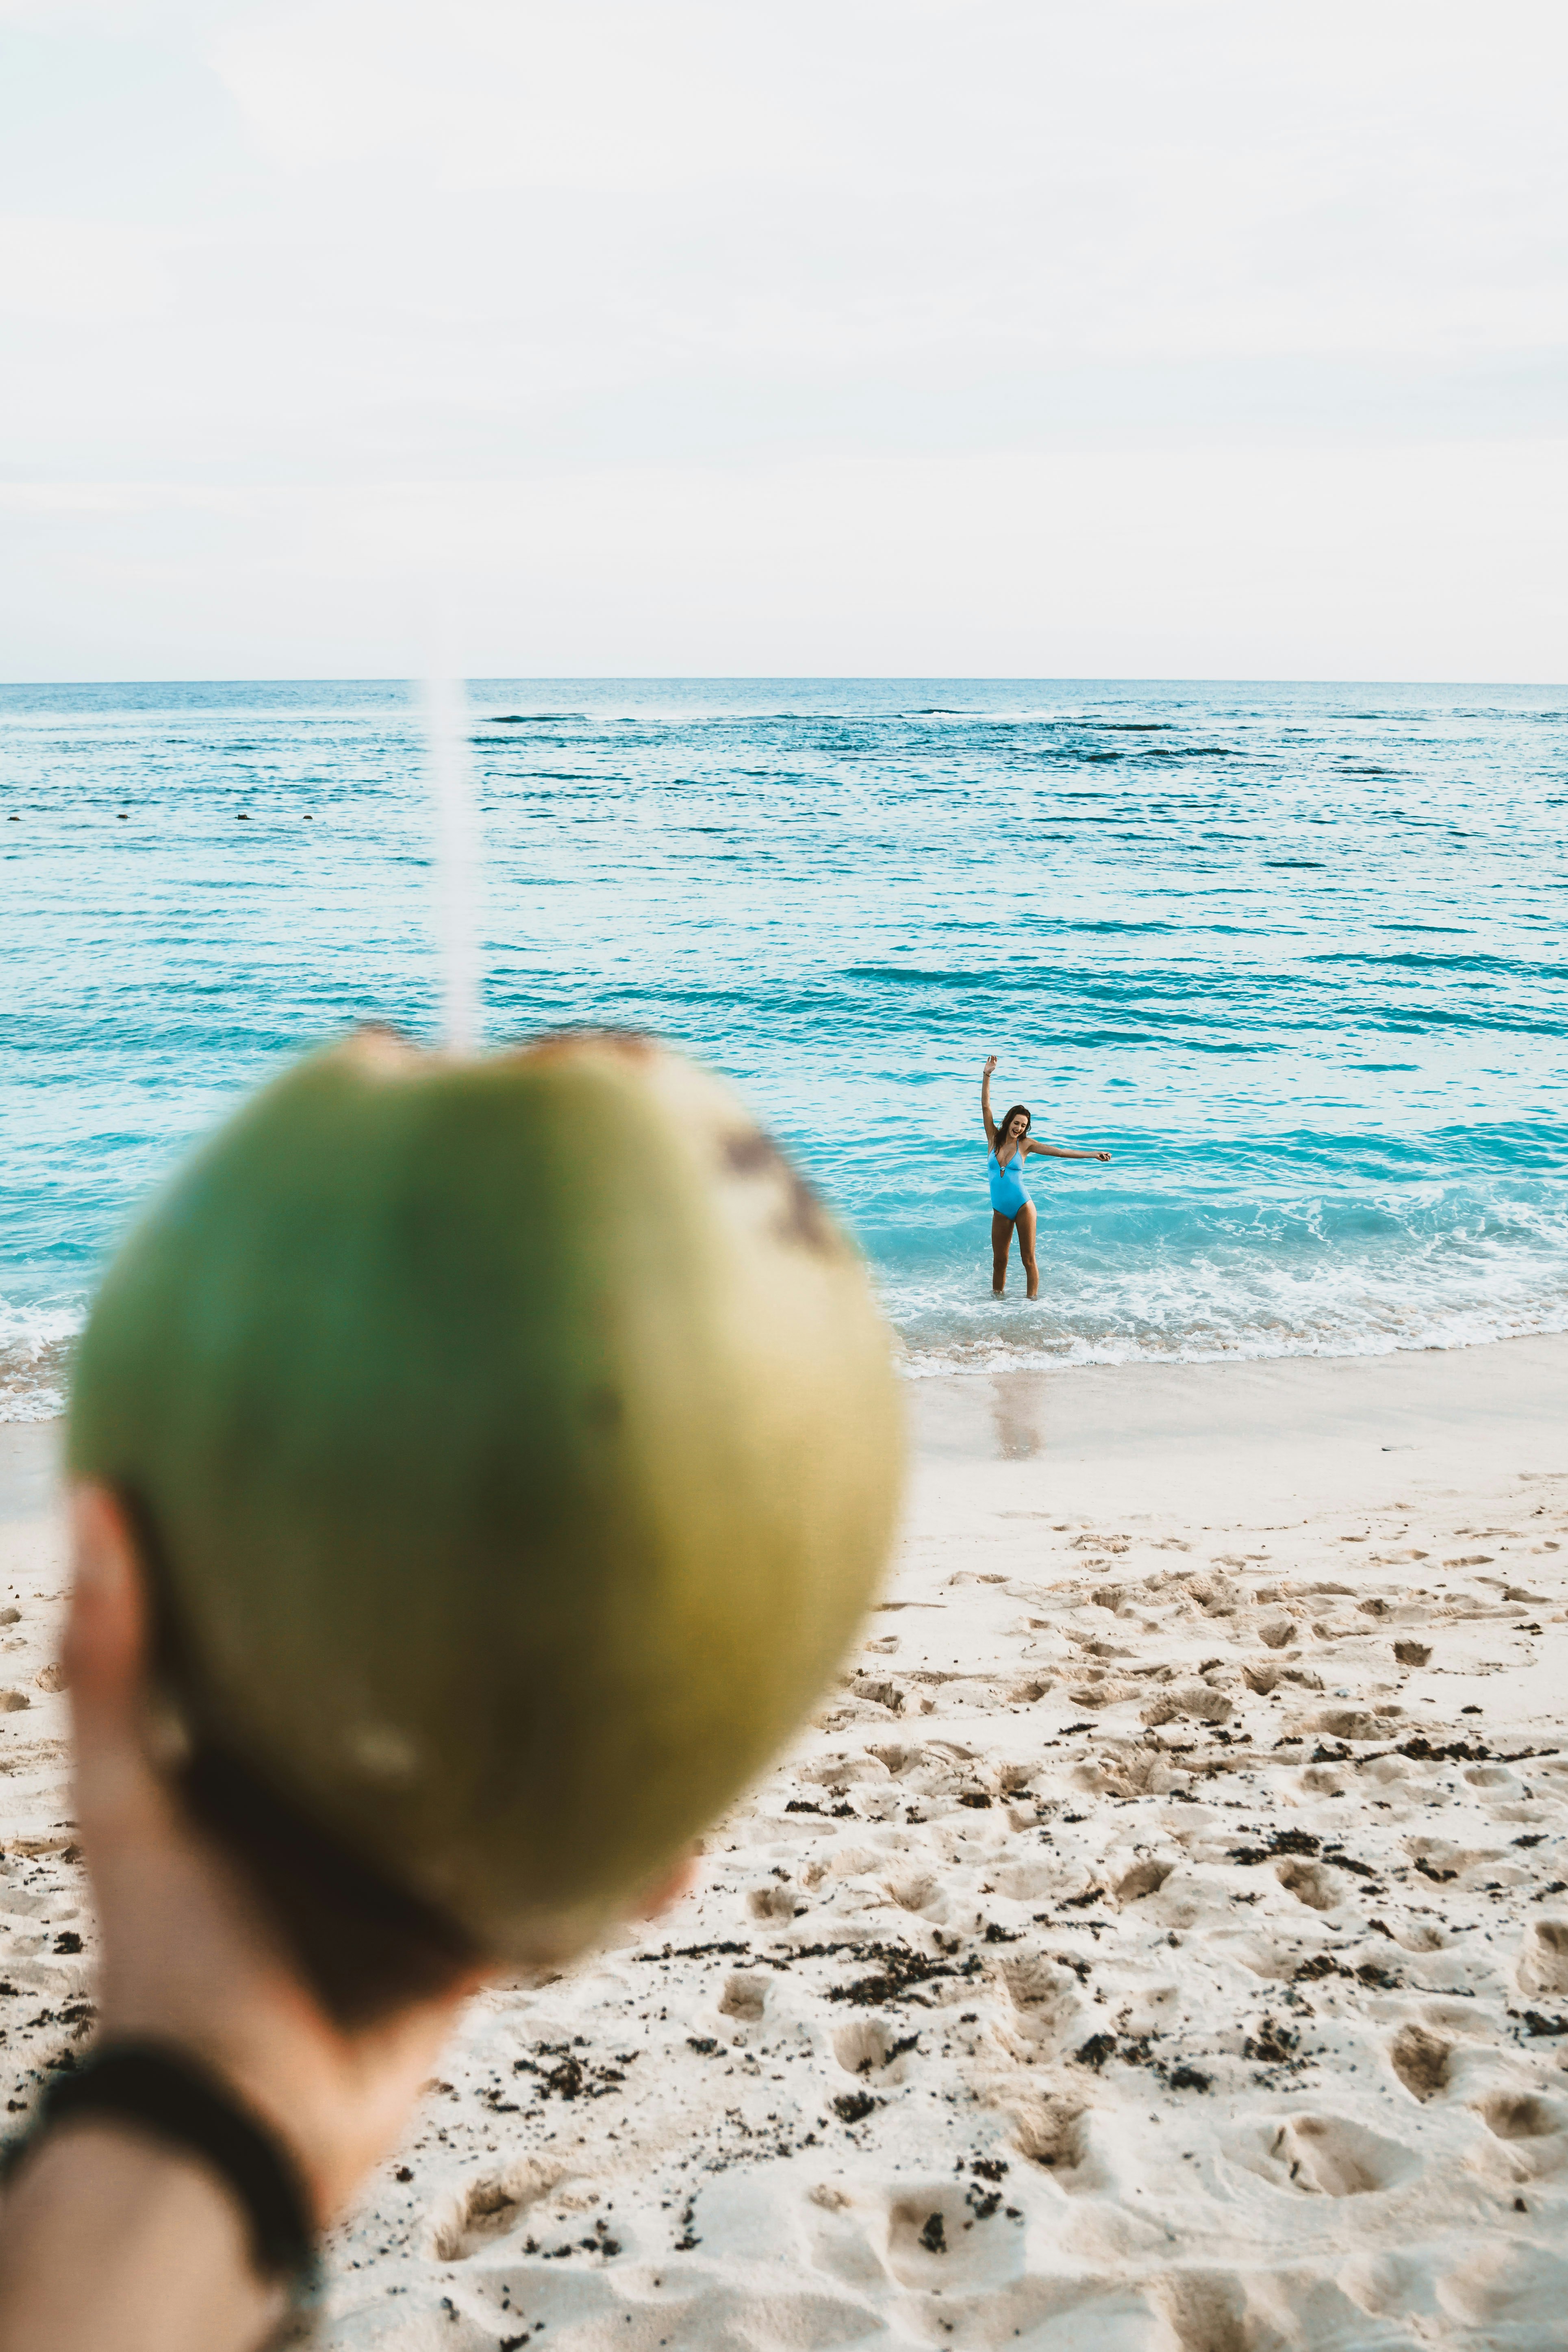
{"x": 1212, "y": 1307}
{"x": 35, "y": 1348}
{"x": 36, "y": 1343}
{"x": 932, "y": 1360}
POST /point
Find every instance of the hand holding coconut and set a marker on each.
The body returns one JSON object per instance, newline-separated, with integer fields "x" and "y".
{"x": 481, "y": 1574}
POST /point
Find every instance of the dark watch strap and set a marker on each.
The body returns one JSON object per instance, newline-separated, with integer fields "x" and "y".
{"x": 165, "y": 2092}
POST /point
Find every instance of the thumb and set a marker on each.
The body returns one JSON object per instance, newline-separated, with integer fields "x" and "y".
{"x": 104, "y": 1654}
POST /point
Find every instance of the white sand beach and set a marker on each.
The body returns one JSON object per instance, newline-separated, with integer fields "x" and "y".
{"x": 1158, "y": 1944}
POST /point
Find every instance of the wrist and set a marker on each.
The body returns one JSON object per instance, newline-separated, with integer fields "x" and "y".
{"x": 170, "y": 2267}
{"x": 274, "y": 2069}
{"x": 160, "y": 2106}
{"x": 283, "y": 2091}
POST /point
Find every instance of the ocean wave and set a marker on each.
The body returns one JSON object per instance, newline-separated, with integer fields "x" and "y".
{"x": 1405, "y": 1260}
{"x": 1255, "y": 1311}
{"x": 932, "y": 1359}
{"x": 35, "y": 1356}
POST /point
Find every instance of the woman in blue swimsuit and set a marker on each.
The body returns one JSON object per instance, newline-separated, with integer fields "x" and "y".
{"x": 1010, "y": 1146}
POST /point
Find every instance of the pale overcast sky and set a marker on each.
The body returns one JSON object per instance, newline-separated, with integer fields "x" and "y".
{"x": 1207, "y": 338}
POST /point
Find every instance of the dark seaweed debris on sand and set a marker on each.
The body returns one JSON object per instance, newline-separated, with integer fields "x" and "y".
{"x": 899, "y": 1972}
{"x": 853, "y": 2106}
{"x": 572, "y": 2077}
{"x": 695, "y": 1952}
{"x": 1272, "y": 2045}
{"x": 1369, "y": 1973}
{"x": 1303, "y": 1843}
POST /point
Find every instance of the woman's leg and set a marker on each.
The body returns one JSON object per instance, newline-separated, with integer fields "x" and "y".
{"x": 1027, "y": 1247}
{"x": 1001, "y": 1241}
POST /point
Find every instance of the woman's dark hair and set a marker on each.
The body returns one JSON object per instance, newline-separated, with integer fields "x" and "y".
{"x": 1006, "y": 1121}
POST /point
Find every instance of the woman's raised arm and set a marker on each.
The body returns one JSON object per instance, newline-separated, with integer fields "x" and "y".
{"x": 986, "y": 1100}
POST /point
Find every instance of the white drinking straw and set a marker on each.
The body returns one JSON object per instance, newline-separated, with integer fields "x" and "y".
{"x": 456, "y": 819}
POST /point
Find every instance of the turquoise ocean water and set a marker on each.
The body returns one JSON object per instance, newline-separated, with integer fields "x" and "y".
{"x": 1294, "y": 954}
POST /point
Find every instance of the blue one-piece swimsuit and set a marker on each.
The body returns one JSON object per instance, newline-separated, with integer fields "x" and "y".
{"x": 1007, "y": 1192}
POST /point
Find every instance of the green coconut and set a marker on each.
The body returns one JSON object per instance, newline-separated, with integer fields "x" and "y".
{"x": 517, "y": 1447}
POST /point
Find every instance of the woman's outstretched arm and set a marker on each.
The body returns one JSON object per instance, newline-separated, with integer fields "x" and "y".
{"x": 1061, "y": 1151}
{"x": 985, "y": 1101}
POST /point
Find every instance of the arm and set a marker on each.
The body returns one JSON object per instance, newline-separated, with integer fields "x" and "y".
{"x": 985, "y": 1101}
{"x": 1061, "y": 1151}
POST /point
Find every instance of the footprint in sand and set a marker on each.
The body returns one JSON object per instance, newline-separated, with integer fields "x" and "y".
{"x": 1195, "y": 1701}
{"x": 839, "y": 2246}
{"x": 1528, "y": 2138}
{"x": 1144, "y": 1879}
{"x": 1421, "y": 2060}
{"x": 1353, "y": 1723}
{"x": 1042, "y": 2004}
{"x": 1543, "y": 1959}
{"x": 919, "y": 1891}
{"x": 745, "y": 1999}
{"x": 1031, "y": 1880}
{"x": 1381, "y": 2284}
{"x": 1053, "y": 2133}
{"x": 1326, "y": 2155}
{"x": 1207, "y": 2311}
{"x": 1310, "y": 1883}
{"x": 874, "y": 2046}
{"x": 952, "y": 2235}
{"x": 1508, "y": 2286}
{"x": 1419, "y": 1936}
{"x": 1135, "y": 1773}
{"x": 773, "y": 1901}
{"x": 490, "y": 2207}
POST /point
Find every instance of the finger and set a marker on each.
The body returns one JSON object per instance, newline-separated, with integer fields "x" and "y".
{"x": 676, "y": 1881}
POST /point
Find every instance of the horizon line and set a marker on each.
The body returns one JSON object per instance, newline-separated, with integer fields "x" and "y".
{"x": 783, "y": 678}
